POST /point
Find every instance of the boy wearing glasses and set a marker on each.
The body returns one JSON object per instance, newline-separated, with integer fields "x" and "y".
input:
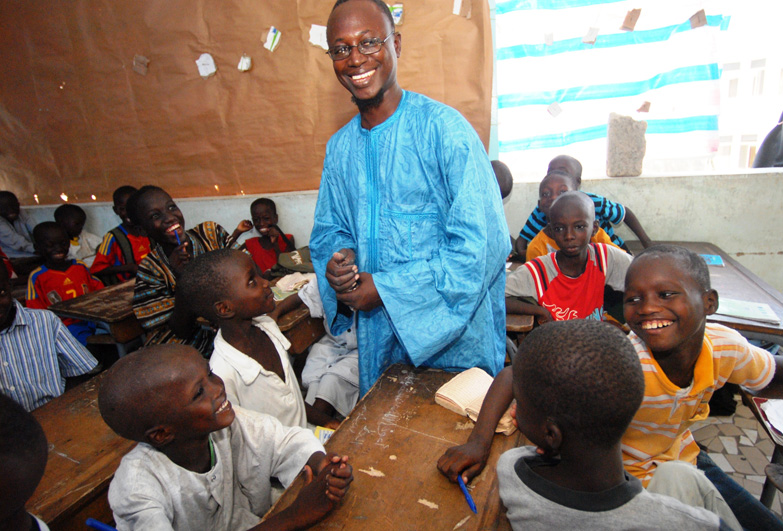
{"x": 410, "y": 233}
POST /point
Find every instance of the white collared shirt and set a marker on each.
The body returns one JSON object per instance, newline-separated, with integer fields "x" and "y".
{"x": 251, "y": 386}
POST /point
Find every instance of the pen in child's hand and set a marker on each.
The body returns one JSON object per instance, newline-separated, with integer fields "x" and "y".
{"x": 468, "y": 497}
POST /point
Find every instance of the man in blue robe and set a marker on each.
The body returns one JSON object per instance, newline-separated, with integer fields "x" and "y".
{"x": 410, "y": 237}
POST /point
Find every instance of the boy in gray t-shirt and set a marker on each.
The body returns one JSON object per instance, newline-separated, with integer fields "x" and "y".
{"x": 578, "y": 384}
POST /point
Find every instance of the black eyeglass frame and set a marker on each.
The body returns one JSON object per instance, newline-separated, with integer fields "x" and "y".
{"x": 372, "y": 43}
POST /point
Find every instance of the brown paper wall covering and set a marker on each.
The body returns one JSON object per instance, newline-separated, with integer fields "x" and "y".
{"x": 76, "y": 118}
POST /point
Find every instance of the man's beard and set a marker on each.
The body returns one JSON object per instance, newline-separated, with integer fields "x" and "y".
{"x": 369, "y": 103}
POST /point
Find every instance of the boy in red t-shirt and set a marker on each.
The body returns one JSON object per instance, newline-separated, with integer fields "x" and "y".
{"x": 60, "y": 278}
{"x": 569, "y": 283}
{"x": 272, "y": 241}
{"x": 123, "y": 248}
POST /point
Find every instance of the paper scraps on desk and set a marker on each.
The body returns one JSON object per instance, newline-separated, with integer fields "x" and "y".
{"x": 318, "y": 36}
{"x": 206, "y": 65}
{"x": 773, "y": 410}
{"x": 272, "y": 39}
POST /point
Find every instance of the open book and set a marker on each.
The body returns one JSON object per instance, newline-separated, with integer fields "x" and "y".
{"x": 755, "y": 311}
{"x": 465, "y": 393}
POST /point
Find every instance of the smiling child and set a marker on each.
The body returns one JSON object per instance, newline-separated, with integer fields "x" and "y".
{"x": 60, "y": 278}
{"x": 201, "y": 463}
{"x": 171, "y": 247}
{"x": 271, "y": 241}
{"x": 251, "y": 353}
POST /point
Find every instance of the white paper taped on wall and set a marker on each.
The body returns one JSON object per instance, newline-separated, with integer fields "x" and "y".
{"x": 245, "y": 63}
{"x": 206, "y": 65}
{"x": 318, "y": 36}
{"x": 272, "y": 39}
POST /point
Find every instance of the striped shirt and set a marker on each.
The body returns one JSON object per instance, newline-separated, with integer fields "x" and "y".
{"x": 156, "y": 283}
{"x": 37, "y": 354}
{"x": 660, "y": 430}
{"x": 608, "y": 213}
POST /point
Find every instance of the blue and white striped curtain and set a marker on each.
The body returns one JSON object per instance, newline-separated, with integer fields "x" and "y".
{"x": 555, "y": 92}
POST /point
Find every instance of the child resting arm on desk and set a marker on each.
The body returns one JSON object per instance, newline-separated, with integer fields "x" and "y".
{"x": 202, "y": 463}
{"x": 569, "y": 283}
{"x": 667, "y": 300}
{"x": 171, "y": 247}
{"x": 251, "y": 353}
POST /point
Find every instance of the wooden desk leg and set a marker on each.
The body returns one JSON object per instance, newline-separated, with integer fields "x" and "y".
{"x": 769, "y": 490}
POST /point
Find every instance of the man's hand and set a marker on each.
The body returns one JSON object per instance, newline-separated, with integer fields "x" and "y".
{"x": 341, "y": 271}
{"x": 364, "y": 297}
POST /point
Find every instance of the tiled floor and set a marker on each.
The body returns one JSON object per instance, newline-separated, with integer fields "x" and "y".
{"x": 740, "y": 447}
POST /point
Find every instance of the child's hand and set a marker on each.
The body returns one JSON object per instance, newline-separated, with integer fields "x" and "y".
{"x": 512, "y": 410}
{"x": 180, "y": 256}
{"x": 320, "y": 494}
{"x": 544, "y": 316}
{"x": 467, "y": 460}
{"x": 244, "y": 226}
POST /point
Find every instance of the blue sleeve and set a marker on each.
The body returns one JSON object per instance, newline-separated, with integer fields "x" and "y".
{"x": 332, "y": 231}
{"x": 606, "y": 210}
{"x": 430, "y": 302}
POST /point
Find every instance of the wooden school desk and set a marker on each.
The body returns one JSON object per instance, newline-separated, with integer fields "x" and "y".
{"x": 394, "y": 438}
{"x": 735, "y": 281}
{"x": 110, "y": 306}
{"x": 83, "y": 455}
{"x": 772, "y": 391}
{"x": 84, "y": 452}
{"x": 113, "y": 307}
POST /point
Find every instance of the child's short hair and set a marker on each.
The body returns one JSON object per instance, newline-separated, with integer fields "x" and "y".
{"x": 122, "y": 191}
{"x": 691, "y": 262}
{"x": 128, "y": 398}
{"x": 6, "y": 195}
{"x": 503, "y": 176}
{"x": 584, "y": 374}
{"x": 203, "y": 282}
{"x": 266, "y": 202}
{"x": 572, "y": 198}
{"x": 23, "y": 452}
{"x": 69, "y": 211}
{"x": 571, "y": 161}
{"x": 132, "y": 204}
{"x": 45, "y": 227}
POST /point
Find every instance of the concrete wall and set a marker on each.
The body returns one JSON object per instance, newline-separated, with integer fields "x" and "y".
{"x": 742, "y": 214}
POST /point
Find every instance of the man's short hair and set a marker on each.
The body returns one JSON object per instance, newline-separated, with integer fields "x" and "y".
{"x": 585, "y": 375}
{"x": 266, "y": 202}
{"x": 381, "y": 5}
{"x": 693, "y": 264}
{"x": 69, "y": 211}
{"x": 203, "y": 282}
{"x": 122, "y": 191}
{"x": 133, "y": 202}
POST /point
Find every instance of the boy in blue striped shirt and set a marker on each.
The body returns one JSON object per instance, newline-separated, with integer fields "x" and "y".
{"x": 607, "y": 213}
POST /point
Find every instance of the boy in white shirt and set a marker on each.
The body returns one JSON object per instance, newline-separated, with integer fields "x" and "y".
{"x": 202, "y": 463}
{"x": 250, "y": 352}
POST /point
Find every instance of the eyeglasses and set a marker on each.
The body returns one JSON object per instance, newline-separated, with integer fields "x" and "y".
{"x": 366, "y": 47}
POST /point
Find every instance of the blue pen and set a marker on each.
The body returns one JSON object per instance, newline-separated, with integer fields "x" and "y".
{"x": 95, "y": 524}
{"x": 176, "y": 235}
{"x": 468, "y": 497}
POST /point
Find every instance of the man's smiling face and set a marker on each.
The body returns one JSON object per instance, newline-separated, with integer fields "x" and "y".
{"x": 367, "y": 77}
